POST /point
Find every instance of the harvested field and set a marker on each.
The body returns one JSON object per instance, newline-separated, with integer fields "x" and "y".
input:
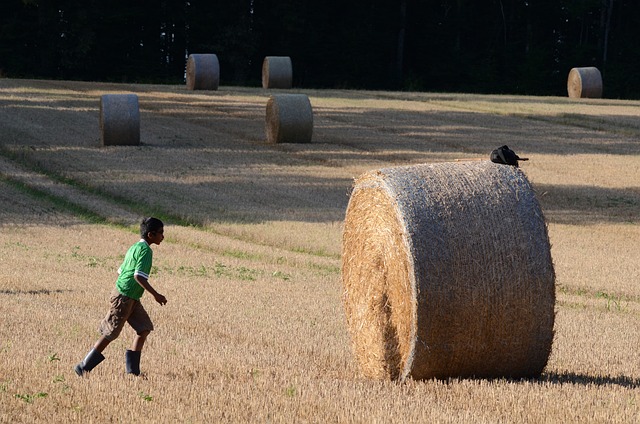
{"x": 254, "y": 328}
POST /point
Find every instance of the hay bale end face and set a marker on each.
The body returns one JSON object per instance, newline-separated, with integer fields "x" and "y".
{"x": 119, "y": 120}
{"x": 203, "y": 72}
{"x": 584, "y": 83}
{"x": 447, "y": 273}
{"x": 289, "y": 119}
{"x": 277, "y": 72}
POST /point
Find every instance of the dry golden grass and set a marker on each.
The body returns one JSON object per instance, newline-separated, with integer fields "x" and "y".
{"x": 254, "y": 329}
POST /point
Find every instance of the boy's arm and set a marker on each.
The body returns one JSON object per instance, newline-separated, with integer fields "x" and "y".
{"x": 147, "y": 286}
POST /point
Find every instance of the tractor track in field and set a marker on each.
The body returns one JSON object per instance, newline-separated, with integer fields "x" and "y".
{"x": 72, "y": 195}
{"x": 95, "y": 205}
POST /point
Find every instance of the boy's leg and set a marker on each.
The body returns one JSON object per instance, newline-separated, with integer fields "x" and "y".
{"x": 132, "y": 364}
{"x": 141, "y": 323}
{"x": 101, "y": 344}
{"x": 93, "y": 358}
{"x": 138, "y": 341}
{"x": 110, "y": 328}
{"x": 132, "y": 356}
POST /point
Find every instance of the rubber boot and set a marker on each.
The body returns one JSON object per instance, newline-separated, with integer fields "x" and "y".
{"x": 90, "y": 361}
{"x": 133, "y": 361}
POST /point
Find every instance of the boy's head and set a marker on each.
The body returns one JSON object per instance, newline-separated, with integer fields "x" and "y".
{"x": 151, "y": 226}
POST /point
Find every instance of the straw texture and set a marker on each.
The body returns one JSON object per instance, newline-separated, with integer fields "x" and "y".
{"x": 447, "y": 272}
{"x": 277, "y": 72}
{"x": 584, "y": 83}
{"x": 119, "y": 120}
{"x": 203, "y": 72}
{"x": 289, "y": 119}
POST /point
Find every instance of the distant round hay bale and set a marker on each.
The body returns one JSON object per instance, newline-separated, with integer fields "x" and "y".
{"x": 585, "y": 83}
{"x": 289, "y": 119}
{"x": 119, "y": 120}
{"x": 447, "y": 273}
{"x": 277, "y": 72}
{"x": 203, "y": 72}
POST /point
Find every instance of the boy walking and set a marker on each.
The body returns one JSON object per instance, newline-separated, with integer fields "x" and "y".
{"x": 125, "y": 301}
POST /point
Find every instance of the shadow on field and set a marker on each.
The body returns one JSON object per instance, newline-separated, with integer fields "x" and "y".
{"x": 171, "y": 116}
{"x": 589, "y": 380}
{"x": 580, "y": 205}
{"x": 33, "y": 292}
{"x": 456, "y": 132}
{"x": 462, "y": 97}
{"x": 204, "y": 156}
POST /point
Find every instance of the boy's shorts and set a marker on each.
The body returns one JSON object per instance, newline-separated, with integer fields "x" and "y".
{"x": 124, "y": 309}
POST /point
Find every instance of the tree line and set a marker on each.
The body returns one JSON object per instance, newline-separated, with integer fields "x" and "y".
{"x": 483, "y": 46}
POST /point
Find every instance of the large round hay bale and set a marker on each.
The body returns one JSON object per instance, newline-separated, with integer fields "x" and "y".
{"x": 203, "y": 72}
{"x": 447, "y": 273}
{"x": 584, "y": 83}
{"x": 119, "y": 120}
{"x": 289, "y": 119}
{"x": 277, "y": 72}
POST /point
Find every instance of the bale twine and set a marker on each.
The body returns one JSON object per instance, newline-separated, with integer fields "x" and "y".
{"x": 447, "y": 272}
{"x": 277, "y": 72}
{"x": 203, "y": 72}
{"x": 585, "y": 83}
{"x": 119, "y": 120}
{"x": 289, "y": 119}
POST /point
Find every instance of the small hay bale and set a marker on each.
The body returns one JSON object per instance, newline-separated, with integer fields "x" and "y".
{"x": 447, "y": 273}
{"x": 119, "y": 120}
{"x": 289, "y": 119}
{"x": 277, "y": 72}
{"x": 584, "y": 83}
{"x": 203, "y": 72}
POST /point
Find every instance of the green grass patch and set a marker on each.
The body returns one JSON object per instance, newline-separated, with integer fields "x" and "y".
{"x": 281, "y": 275}
{"x": 614, "y": 302}
{"x": 29, "y": 398}
{"x": 239, "y": 254}
{"x": 324, "y": 270}
{"x": 217, "y": 270}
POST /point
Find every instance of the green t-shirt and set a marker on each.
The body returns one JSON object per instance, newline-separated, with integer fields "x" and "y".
{"x": 137, "y": 261}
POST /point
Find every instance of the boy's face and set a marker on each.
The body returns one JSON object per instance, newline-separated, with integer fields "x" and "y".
{"x": 156, "y": 236}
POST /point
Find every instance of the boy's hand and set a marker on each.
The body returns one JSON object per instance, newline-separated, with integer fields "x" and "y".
{"x": 160, "y": 299}
{"x": 145, "y": 285}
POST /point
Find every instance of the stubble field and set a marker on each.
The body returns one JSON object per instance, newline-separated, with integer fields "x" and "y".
{"x": 254, "y": 329}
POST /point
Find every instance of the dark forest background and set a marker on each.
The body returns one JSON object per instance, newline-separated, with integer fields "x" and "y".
{"x": 482, "y": 46}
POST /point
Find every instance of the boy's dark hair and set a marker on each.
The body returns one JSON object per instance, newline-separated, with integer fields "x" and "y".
{"x": 149, "y": 225}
